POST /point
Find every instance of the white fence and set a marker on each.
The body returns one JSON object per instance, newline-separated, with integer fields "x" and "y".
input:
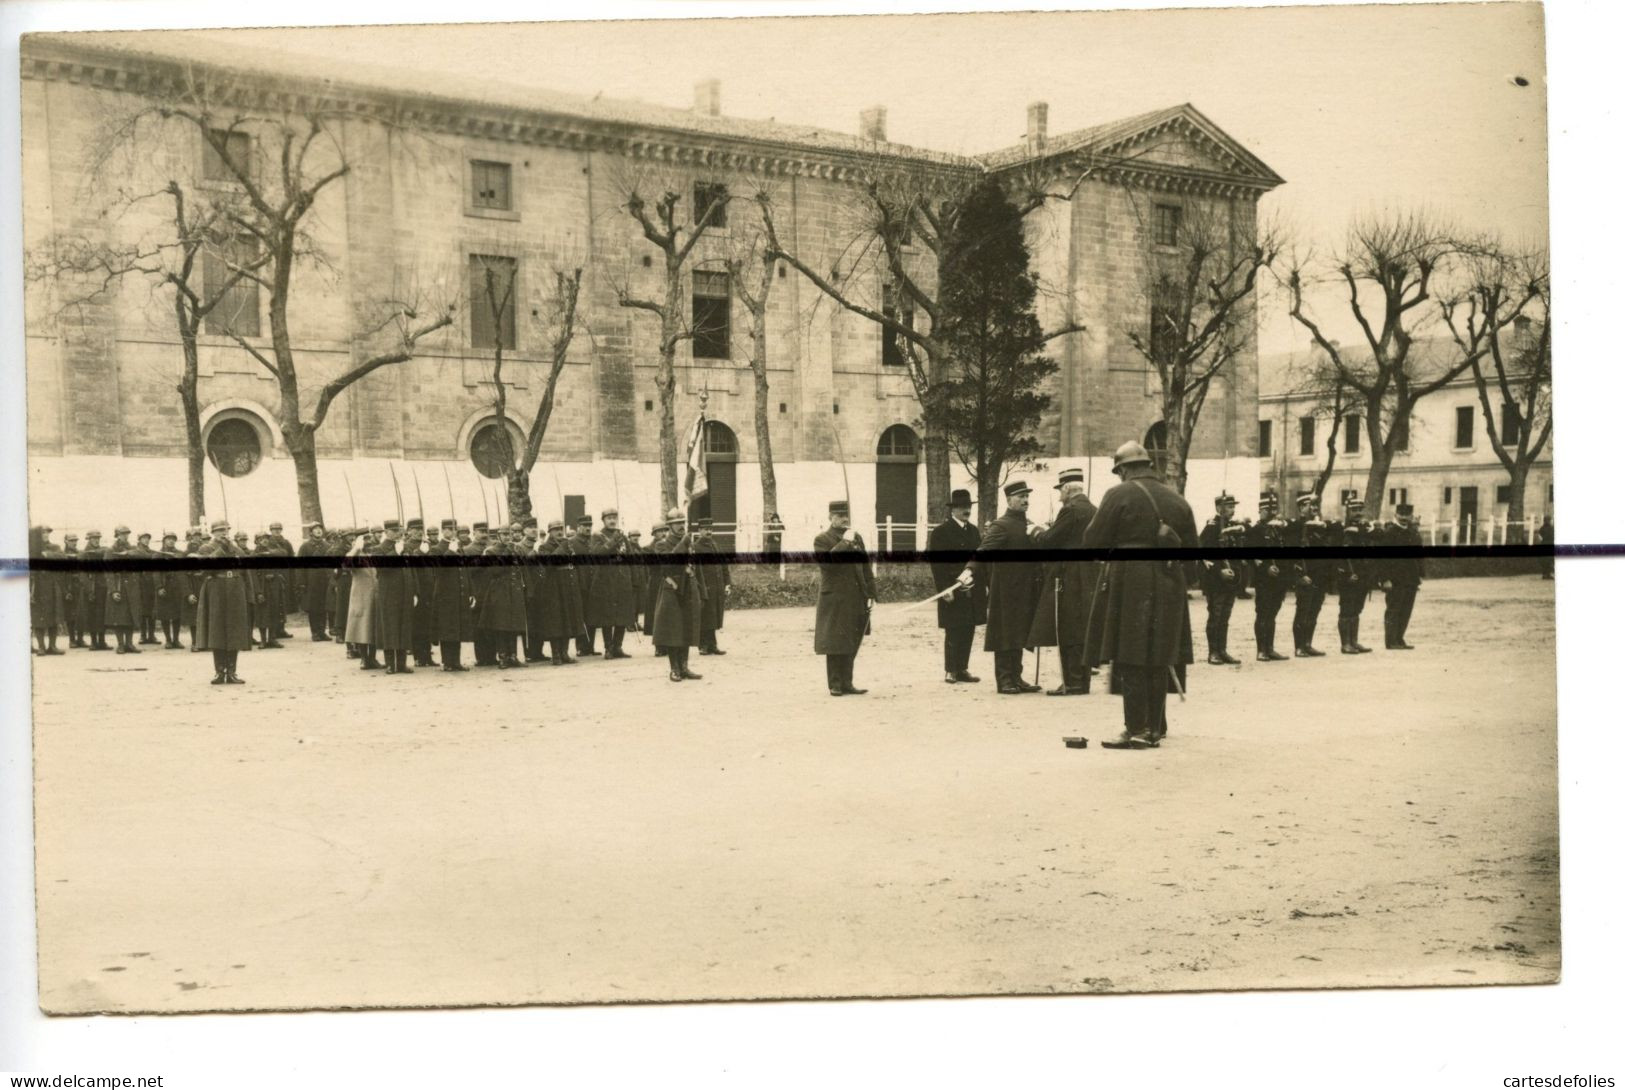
{"x": 1470, "y": 531}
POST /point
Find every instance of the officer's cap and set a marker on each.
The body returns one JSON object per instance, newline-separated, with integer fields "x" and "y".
{"x": 1017, "y": 488}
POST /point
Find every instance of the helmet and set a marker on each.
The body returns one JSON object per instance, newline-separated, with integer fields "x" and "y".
{"x": 1128, "y": 454}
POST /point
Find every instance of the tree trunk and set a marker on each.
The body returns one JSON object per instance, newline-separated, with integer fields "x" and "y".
{"x": 1382, "y": 455}
{"x": 937, "y": 476}
{"x": 987, "y": 496}
{"x": 1520, "y": 480}
{"x": 191, "y": 417}
{"x": 519, "y": 507}
{"x": 666, "y": 384}
{"x": 764, "y": 439}
{"x": 302, "y": 449}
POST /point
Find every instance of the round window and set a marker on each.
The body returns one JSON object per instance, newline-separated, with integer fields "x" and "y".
{"x": 234, "y": 447}
{"x": 491, "y": 451}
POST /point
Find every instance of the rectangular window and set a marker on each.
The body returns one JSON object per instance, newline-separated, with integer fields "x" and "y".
{"x": 491, "y": 304}
{"x": 1351, "y": 433}
{"x": 1344, "y": 495}
{"x": 1399, "y": 495}
{"x": 1447, "y": 495}
{"x": 238, "y": 309}
{"x": 893, "y": 352}
{"x": 1402, "y": 433}
{"x": 711, "y": 298}
{"x": 1306, "y": 435}
{"x": 1503, "y": 493}
{"x": 1511, "y": 425}
{"x": 1165, "y": 223}
{"x": 711, "y": 204}
{"x": 1464, "y": 427}
{"x": 1266, "y": 436}
{"x": 493, "y": 185}
{"x": 239, "y": 150}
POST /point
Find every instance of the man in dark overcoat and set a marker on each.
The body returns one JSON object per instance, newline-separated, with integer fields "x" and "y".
{"x": 70, "y": 603}
{"x": 149, "y": 589}
{"x": 1221, "y": 579}
{"x": 678, "y": 598}
{"x": 452, "y": 588}
{"x": 580, "y": 544}
{"x": 397, "y": 594}
{"x": 951, "y": 544}
{"x": 1271, "y": 576}
{"x": 1401, "y": 578}
{"x": 651, "y": 579}
{"x": 1144, "y": 627}
{"x": 1068, "y": 592}
{"x": 46, "y": 606}
{"x": 174, "y": 587}
{"x": 314, "y": 582}
{"x": 1354, "y": 577}
{"x": 125, "y": 591}
{"x": 91, "y": 590}
{"x": 846, "y": 597}
{"x": 223, "y": 606}
{"x": 611, "y": 601}
{"x": 500, "y": 594}
{"x": 1313, "y": 577}
{"x": 717, "y": 581}
{"x": 559, "y": 599}
{"x": 1012, "y": 589}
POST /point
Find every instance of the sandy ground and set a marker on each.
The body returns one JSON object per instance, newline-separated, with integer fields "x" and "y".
{"x": 325, "y": 838}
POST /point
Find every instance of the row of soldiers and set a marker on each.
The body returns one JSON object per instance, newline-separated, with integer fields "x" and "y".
{"x": 1350, "y": 577}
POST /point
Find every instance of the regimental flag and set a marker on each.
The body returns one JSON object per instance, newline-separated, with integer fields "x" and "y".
{"x": 695, "y": 484}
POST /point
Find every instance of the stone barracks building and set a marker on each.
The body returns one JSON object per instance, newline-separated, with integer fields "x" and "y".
{"x": 450, "y": 175}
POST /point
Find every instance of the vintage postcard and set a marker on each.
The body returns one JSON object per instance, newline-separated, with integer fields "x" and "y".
{"x": 514, "y": 523}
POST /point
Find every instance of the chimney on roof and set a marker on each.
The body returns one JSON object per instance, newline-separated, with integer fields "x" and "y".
{"x": 872, "y": 124}
{"x": 708, "y": 97}
{"x": 1037, "y": 125}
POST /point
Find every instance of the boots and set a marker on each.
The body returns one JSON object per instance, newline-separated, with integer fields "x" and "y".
{"x": 688, "y": 675}
{"x": 1345, "y": 641}
{"x": 675, "y": 659}
{"x": 1354, "y": 636}
{"x": 369, "y": 657}
{"x": 219, "y": 668}
{"x": 231, "y": 669}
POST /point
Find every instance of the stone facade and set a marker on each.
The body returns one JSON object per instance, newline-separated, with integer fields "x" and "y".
{"x": 402, "y": 223}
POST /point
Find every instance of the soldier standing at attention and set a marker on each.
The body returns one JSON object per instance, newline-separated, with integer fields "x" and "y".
{"x": 1270, "y": 578}
{"x": 658, "y": 535}
{"x": 45, "y": 598}
{"x": 314, "y": 582}
{"x": 149, "y": 590}
{"x": 92, "y": 591}
{"x": 612, "y": 604}
{"x": 1311, "y": 576}
{"x": 951, "y": 545}
{"x": 362, "y": 616}
{"x": 1219, "y": 578}
{"x": 1144, "y": 629}
{"x": 420, "y": 542}
{"x": 1546, "y": 534}
{"x": 452, "y": 588}
{"x": 846, "y": 595}
{"x": 1068, "y": 593}
{"x": 1353, "y": 577}
{"x": 174, "y": 588}
{"x": 289, "y": 591}
{"x": 717, "y": 582}
{"x": 560, "y": 611}
{"x": 123, "y": 602}
{"x": 580, "y": 544}
{"x": 1012, "y": 590}
{"x": 678, "y": 602}
{"x": 70, "y": 583}
{"x": 223, "y": 598}
{"x": 1401, "y": 578}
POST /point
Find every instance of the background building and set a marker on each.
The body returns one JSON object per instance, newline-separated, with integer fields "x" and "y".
{"x": 447, "y": 176}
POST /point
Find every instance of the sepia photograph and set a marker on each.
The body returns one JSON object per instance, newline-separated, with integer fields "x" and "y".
{"x": 653, "y": 510}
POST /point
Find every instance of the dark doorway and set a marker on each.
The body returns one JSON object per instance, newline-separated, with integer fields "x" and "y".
{"x": 1467, "y": 515}
{"x": 721, "y": 503}
{"x": 897, "y": 491}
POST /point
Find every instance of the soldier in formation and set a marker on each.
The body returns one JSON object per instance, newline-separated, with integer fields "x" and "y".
{"x": 846, "y": 597}
{"x": 1221, "y": 579}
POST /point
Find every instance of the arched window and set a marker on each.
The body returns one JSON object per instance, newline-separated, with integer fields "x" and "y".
{"x": 491, "y": 452}
{"x": 898, "y": 443}
{"x": 1156, "y": 445}
{"x": 233, "y": 445}
{"x": 720, "y": 441}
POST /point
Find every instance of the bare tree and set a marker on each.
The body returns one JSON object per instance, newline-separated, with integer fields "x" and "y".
{"x": 1319, "y": 387}
{"x": 669, "y": 227}
{"x": 1200, "y": 270}
{"x": 558, "y": 321}
{"x": 279, "y": 159}
{"x": 892, "y": 213}
{"x": 1520, "y": 364}
{"x": 1387, "y": 268}
{"x": 83, "y": 271}
{"x": 756, "y": 256}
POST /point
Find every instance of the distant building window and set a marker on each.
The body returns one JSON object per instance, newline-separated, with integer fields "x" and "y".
{"x": 1344, "y": 495}
{"x": 236, "y": 307}
{"x": 1306, "y": 435}
{"x": 1447, "y": 494}
{"x": 1503, "y": 493}
{"x": 239, "y": 154}
{"x": 1511, "y": 425}
{"x": 899, "y": 442}
{"x": 492, "y": 451}
{"x": 491, "y": 300}
{"x": 1399, "y": 495}
{"x": 1464, "y": 427}
{"x": 1351, "y": 433}
{"x": 710, "y": 204}
{"x": 1266, "y": 436}
{"x": 1165, "y": 223}
{"x": 712, "y": 340}
{"x": 234, "y": 447}
{"x": 893, "y": 352}
{"x": 493, "y": 185}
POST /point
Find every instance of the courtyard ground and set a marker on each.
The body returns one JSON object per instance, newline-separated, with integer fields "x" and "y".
{"x": 326, "y": 838}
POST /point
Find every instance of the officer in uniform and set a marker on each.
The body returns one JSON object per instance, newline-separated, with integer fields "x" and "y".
{"x": 580, "y": 544}
{"x": 361, "y": 619}
{"x": 174, "y": 588}
{"x": 1401, "y": 578}
{"x": 1068, "y": 591}
{"x": 452, "y": 588}
{"x": 1012, "y": 590}
{"x": 1354, "y": 570}
{"x": 1219, "y": 578}
{"x": 315, "y": 582}
{"x": 952, "y": 544}
{"x": 1312, "y": 576}
{"x": 45, "y": 595}
{"x": 418, "y": 544}
{"x": 500, "y": 592}
{"x": 846, "y": 596}
{"x": 612, "y": 603}
{"x": 123, "y": 595}
{"x": 92, "y": 592}
{"x": 717, "y": 583}
{"x": 223, "y": 599}
{"x": 658, "y": 536}
{"x": 273, "y": 581}
{"x": 560, "y": 613}
{"x": 70, "y": 585}
{"x": 1271, "y": 576}
{"x": 149, "y": 589}
{"x": 678, "y": 599}
{"x": 1144, "y": 627}
{"x": 288, "y": 593}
